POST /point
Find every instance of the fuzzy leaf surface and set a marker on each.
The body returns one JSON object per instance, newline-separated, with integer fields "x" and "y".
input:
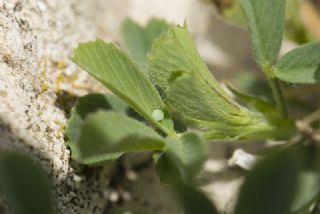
{"x": 108, "y": 133}
{"x": 177, "y": 68}
{"x": 301, "y": 65}
{"x": 281, "y": 128}
{"x": 192, "y": 96}
{"x": 190, "y": 152}
{"x": 175, "y": 52}
{"x": 114, "y": 69}
{"x": 266, "y": 21}
{"x": 86, "y": 105}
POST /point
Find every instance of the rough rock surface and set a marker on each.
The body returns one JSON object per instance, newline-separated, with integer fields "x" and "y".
{"x": 38, "y": 79}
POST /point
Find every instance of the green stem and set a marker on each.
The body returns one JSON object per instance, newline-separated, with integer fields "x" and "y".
{"x": 277, "y": 95}
{"x": 165, "y": 130}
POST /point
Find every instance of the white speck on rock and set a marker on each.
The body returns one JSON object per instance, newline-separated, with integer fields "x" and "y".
{"x": 41, "y": 6}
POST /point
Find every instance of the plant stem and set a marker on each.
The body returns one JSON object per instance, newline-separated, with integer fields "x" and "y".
{"x": 277, "y": 95}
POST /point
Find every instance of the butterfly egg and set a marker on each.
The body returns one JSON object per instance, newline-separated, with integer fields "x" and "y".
{"x": 157, "y": 115}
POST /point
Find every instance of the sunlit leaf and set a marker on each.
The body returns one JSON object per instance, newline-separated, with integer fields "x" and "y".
{"x": 114, "y": 69}
{"x": 177, "y": 68}
{"x": 175, "y": 52}
{"x": 192, "y": 96}
{"x": 266, "y": 20}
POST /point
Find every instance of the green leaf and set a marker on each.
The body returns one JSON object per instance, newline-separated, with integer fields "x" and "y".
{"x": 189, "y": 197}
{"x": 259, "y": 129}
{"x": 114, "y": 69}
{"x": 270, "y": 186}
{"x": 175, "y": 52}
{"x": 25, "y": 184}
{"x": 177, "y": 68}
{"x": 107, "y": 133}
{"x": 266, "y": 20}
{"x": 178, "y": 166}
{"x": 189, "y": 152}
{"x": 283, "y": 128}
{"x": 308, "y": 186}
{"x": 193, "y": 200}
{"x": 256, "y": 103}
{"x": 89, "y": 104}
{"x": 308, "y": 190}
{"x": 168, "y": 169}
{"x": 301, "y": 65}
{"x": 249, "y": 82}
{"x": 139, "y": 39}
{"x": 195, "y": 98}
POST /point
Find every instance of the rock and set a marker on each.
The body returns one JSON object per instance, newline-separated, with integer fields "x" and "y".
{"x": 39, "y": 83}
